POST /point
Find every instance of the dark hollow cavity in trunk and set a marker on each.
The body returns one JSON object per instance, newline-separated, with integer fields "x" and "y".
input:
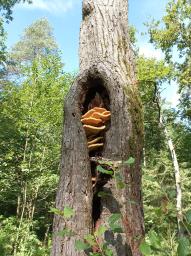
{"x": 96, "y": 96}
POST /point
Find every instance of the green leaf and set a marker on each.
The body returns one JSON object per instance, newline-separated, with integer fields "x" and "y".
{"x": 130, "y": 161}
{"x": 154, "y": 239}
{"x": 90, "y": 239}
{"x": 81, "y": 246}
{"x": 65, "y": 233}
{"x": 113, "y": 223}
{"x": 108, "y": 252}
{"x": 103, "y": 194}
{"x": 54, "y": 210}
{"x": 188, "y": 216}
{"x": 68, "y": 212}
{"x": 118, "y": 177}
{"x": 109, "y": 163}
{"x": 101, "y": 230}
{"x": 120, "y": 185}
{"x": 57, "y": 211}
{"x": 145, "y": 249}
{"x": 102, "y": 170}
{"x": 114, "y": 218}
{"x": 116, "y": 228}
{"x": 183, "y": 247}
{"x": 148, "y": 177}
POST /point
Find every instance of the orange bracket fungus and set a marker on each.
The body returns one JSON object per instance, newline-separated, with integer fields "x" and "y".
{"x": 94, "y": 125}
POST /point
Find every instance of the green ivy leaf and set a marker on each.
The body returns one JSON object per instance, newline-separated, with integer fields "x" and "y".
{"x": 154, "y": 239}
{"x": 90, "y": 239}
{"x": 68, "y": 212}
{"x": 114, "y": 218}
{"x": 81, "y": 246}
{"x": 183, "y": 247}
{"x": 102, "y": 170}
{"x": 65, "y": 233}
{"x": 118, "y": 176}
{"x": 130, "y": 161}
{"x": 120, "y": 185}
{"x": 116, "y": 228}
{"x": 108, "y": 252}
{"x": 113, "y": 223}
{"x": 188, "y": 216}
{"x": 57, "y": 211}
{"x": 109, "y": 163}
{"x": 145, "y": 249}
{"x": 103, "y": 194}
{"x": 101, "y": 230}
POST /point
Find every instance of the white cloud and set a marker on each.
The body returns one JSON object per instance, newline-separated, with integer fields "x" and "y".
{"x": 51, "y": 6}
{"x": 150, "y": 52}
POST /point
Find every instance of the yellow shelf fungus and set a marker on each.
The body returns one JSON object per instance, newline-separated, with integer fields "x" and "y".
{"x": 95, "y": 140}
{"x": 95, "y": 146}
{"x": 89, "y": 129}
{"x": 93, "y": 121}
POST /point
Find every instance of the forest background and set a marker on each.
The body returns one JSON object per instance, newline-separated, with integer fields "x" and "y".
{"x": 33, "y": 84}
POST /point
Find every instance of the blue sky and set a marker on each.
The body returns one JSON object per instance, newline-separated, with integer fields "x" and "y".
{"x": 65, "y": 18}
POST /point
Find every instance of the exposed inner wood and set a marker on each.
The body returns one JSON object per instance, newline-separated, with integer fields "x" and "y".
{"x": 95, "y": 115}
{"x": 96, "y": 95}
{"x": 95, "y": 121}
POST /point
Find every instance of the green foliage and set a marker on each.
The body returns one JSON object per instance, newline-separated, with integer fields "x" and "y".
{"x": 31, "y": 120}
{"x": 99, "y": 168}
{"x": 145, "y": 249}
{"x": 91, "y": 242}
{"x": 65, "y": 233}
{"x": 30, "y": 134}
{"x": 130, "y": 161}
{"x": 184, "y": 247}
{"x": 37, "y": 40}
{"x": 172, "y": 35}
{"x": 2, "y": 46}
{"x": 27, "y": 241}
{"x": 132, "y": 35}
{"x": 113, "y": 168}
{"x": 67, "y": 213}
{"x": 188, "y": 216}
{"x": 158, "y": 175}
{"x": 114, "y": 222}
{"x": 81, "y": 246}
{"x": 7, "y": 5}
{"x": 151, "y": 74}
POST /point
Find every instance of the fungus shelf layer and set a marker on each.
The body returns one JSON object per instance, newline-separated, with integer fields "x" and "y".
{"x": 95, "y": 118}
{"x": 94, "y": 123}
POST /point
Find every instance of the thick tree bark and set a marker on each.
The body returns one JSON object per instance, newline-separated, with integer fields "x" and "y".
{"x": 106, "y": 68}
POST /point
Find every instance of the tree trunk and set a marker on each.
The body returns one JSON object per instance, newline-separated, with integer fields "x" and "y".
{"x": 176, "y": 175}
{"x": 107, "y": 69}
